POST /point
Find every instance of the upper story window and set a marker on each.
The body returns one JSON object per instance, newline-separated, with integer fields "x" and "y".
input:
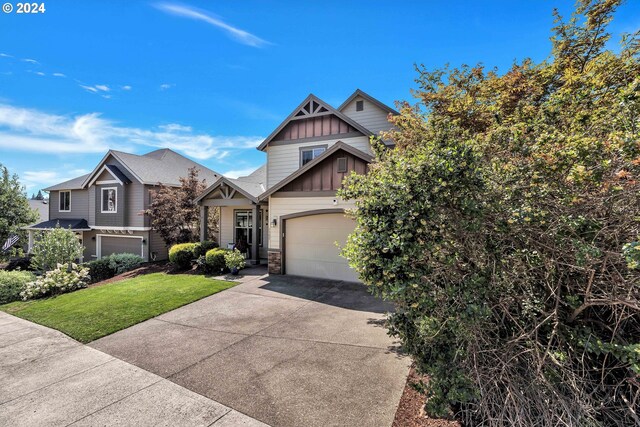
{"x": 109, "y": 200}
{"x": 308, "y": 154}
{"x": 359, "y": 105}
{"x": 65, "y": 201}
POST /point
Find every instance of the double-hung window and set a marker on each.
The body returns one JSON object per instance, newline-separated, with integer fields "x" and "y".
{"x": 109, "y": 200}
{"x": 308, "y": 154}
{"x": 65, "y": 201}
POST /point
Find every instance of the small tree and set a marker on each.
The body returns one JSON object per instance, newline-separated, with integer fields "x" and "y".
{"x": 173, "y": 211}
{"x": 15, "y": 212}
{"x": 53, "y": 247}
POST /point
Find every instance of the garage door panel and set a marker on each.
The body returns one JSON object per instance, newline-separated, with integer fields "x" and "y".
{"x": 311, "y": 248}
{"x": 116, "y": 245}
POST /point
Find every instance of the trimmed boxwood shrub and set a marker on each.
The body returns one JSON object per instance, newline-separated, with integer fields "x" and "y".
{"x": 121, "y": 263}
{"x": 214, "y": 260}
{"x": 112, "y": 265}
{"x": 181, "y": 255}
{"x": 12, "y": 283}
{"x": 202, "y": 248}
{"x": 100, "y": 270}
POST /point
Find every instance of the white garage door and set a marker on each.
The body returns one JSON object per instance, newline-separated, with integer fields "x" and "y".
{"x": 311, "y": 250}
{"x": 118, "y": 245}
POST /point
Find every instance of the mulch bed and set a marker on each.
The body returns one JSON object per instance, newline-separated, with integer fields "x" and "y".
{"x": 410, "y": 412}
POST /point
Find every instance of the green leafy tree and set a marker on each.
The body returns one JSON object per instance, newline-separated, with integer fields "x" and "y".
{"x": 15, "y": 212}
{"x": 53, "y": 247}
{"x": 503, "y": 227}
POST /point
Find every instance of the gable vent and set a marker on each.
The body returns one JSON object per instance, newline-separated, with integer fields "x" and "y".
{"x": 359, "y": 105}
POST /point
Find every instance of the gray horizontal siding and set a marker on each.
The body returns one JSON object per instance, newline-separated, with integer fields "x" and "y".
{"x": 79, "y": 205}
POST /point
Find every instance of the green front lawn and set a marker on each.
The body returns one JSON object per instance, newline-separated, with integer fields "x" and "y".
{"x": 92, "y": 313}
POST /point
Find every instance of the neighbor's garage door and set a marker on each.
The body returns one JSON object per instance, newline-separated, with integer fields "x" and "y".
{"x": 117, "y": 245}
{"x": 310, "y": 248}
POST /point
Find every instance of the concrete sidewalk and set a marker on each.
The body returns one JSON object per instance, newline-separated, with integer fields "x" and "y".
{"x": 48, "y": 379}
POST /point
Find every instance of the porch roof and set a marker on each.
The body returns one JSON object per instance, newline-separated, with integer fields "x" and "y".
{"x": 73, "y": 224}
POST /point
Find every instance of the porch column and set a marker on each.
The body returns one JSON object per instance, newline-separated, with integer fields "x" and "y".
{"x": 204, "y": 217}
{"x": 254, "y": 247}
{"x": 30, "y": 241}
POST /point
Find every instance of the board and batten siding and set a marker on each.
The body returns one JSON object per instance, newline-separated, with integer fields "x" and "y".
{"x": 279, "y": 206}
{"x": 371, "y": 117}
{"x": 79, "y": 205}
{"x": 283, "y": 160}
{"x": 112, "y": 219}
{"x": 157, "y": 246}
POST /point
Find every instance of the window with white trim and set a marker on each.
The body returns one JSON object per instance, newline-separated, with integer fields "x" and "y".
{"x": 109, "y": 202}
{"x": 65, "y": 201}
{"x": 309, "y": 154}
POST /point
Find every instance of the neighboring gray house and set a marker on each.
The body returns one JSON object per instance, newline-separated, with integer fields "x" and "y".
{"x": 41, "y": 206}
{"x": 287, "y": 210}
{"x": 106, "y": 207}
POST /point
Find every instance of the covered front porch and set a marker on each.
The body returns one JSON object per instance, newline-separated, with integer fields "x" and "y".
{"x": 242, "y": 219}
{"x": 78, "y": 226}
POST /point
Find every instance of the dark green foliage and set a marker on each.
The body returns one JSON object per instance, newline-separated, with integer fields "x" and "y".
{"x": 181, "y": 255}
{"x": 112, "y": 265}
{"x": 12, "y": 283}
{"x": 202, "y": 248}
{"x": 505, "y": 227}
{"x": 100, "y": 270}
{"x": 121, "y": 263}
{"x": 15, "y": 212}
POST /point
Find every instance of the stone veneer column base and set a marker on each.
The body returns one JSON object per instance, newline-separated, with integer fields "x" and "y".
{"x": 275, "y": 262}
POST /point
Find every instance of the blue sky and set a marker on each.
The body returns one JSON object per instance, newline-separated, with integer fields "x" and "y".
{"x": 212, "y": 78}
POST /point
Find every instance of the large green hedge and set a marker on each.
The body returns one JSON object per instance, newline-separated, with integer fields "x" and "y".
{"x": 503, "y": 227}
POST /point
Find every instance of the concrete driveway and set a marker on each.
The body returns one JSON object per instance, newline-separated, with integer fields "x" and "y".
{"x": 48, "y": 379}
{"x": 286, "y": 351}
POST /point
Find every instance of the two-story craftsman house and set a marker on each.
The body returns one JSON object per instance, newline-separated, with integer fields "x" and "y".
{"x": 287, "y": 210}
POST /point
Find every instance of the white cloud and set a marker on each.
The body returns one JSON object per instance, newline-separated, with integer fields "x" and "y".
{"x": 30, "y": 130}
{"x": 4, "y": 55}
{"x": 89, "y": 88}
{"x": 174, "y": 127}
{"x": 40, "y": 73}
{"x": 126, "y": 87}
{"x": 236, "y": 173}
{"x": 103, "y": 88}
{"x": 58, "y": 75}
{"x": 43, "y": 178}
{"x": 166, "y": 86}
{"x": 239, "y": 35}
{"x": 30, "y": 61}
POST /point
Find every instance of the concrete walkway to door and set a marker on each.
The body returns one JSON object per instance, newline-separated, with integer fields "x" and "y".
{"x": 287, "y": 351}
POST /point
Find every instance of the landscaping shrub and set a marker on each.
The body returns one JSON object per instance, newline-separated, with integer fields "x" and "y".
{"x": 121, "y": 263}
{"x": 202, "y": 248}
{"x": 21, "y": 263}
{"x": 181, "y": 255}
{"x": 504, "y": 226}
{"x": 12, "y": 283}
{"x": 64, "y": 278}
{"x": 234, "y": 259}
{"x": 215, "y": 260}
{"x": 100, "y": 270}
{"x": 53, "y": 247}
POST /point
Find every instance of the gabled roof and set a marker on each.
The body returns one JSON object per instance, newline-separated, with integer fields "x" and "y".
{"x": 326, "y": 109}
{"x": 369, "y": 98}
{"x": 162, "y": 166}
{"x": 250, "y": 186}
{"x": 72, "y": 184}
{"x": 334, "y": 148}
